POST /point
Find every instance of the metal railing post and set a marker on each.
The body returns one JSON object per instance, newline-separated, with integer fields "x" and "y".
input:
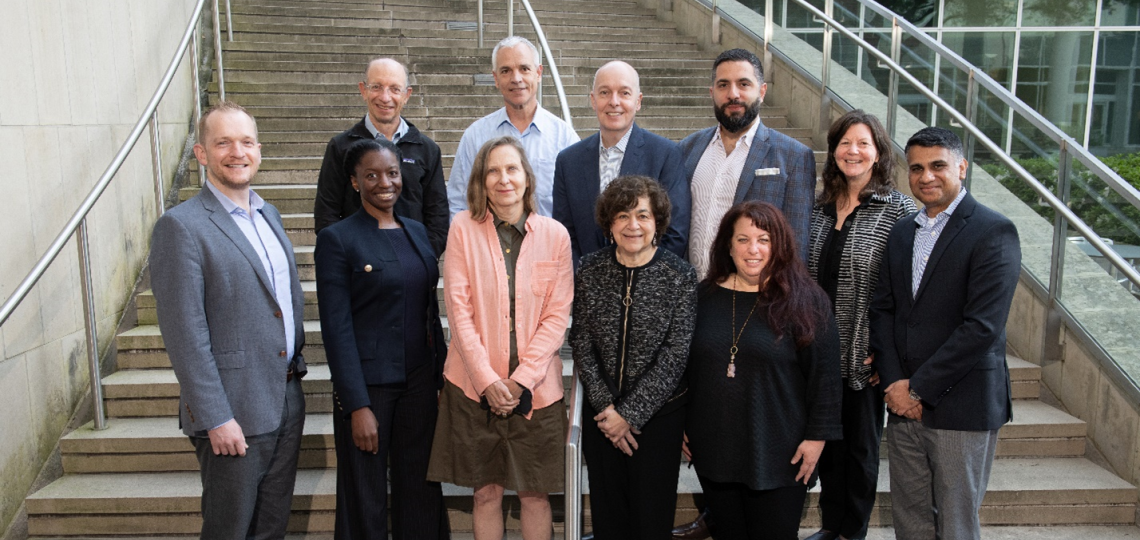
{"x": 194, "y": 76}
{"x": 715, "y": 37}
{"x": 769, "y": 29}
{"x": 893, "y": 85}
{"x": 89, "y": 326}
{"x": 972, "y": 115}
{"x": 825, "y": 72}
{"x": 229, "y": 20}
{"x": 1051, "y": 348}
{"x": 218, "y": 53}
{"x": 156, "y": 163}
{"x": 573, "y": 489}
{"x": 510, "y": 17}
{"x": 479, "y": 16}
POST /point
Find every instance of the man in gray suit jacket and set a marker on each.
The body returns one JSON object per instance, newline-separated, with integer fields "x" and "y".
{"x": 741, "y": 159}
{"x": 230, "y": 310}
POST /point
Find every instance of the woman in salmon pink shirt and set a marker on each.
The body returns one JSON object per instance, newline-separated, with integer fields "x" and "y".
{"x": 508, "y": 287}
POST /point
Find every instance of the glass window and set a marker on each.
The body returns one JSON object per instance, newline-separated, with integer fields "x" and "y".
{"x": 1058, "y": 13}
{"x": 1116, "y": 114}
{"x": 980, "y": 13}
{"x": 1053, "y": 76}
{"x": 990, "y": 51}
{"x": 921, "y": 13}
{"x": 1120, "y": 13}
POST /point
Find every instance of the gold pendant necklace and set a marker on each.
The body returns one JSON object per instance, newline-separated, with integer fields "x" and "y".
{"x": 734, "y": 334}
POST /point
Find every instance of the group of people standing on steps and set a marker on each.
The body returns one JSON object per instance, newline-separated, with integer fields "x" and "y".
{"x": 723, "y": 309}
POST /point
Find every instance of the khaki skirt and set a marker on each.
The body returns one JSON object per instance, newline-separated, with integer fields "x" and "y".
{"x": 472, "y": 448}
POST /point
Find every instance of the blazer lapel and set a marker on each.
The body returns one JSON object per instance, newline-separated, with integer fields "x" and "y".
{"x": 632, "y": 157}
{"x": 907, "y": 258}
{"x": 954, "y": 226}
{"x": 696, "y": 152}
{"x": 225, "y": 222}
{"x": 757, "y": 153}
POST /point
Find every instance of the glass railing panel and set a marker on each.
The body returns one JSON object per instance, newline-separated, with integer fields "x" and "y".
{"x": 975, "y": 13}
{"x": 1099, "y": 296}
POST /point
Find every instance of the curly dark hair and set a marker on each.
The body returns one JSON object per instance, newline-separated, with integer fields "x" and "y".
{"x": 796, "y": 304}
{"x": 362, "y": 147}
{"x": 622, "y": 194}
{"x": 882, "y": 173}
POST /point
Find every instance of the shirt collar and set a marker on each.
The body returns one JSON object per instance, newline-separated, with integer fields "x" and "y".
{"x": 255, "y": 200}
{"x": 519, "y": 225}
{"x": 922, "y": 219}
{"x": 621, "y": 144}
{"x": 540, "y": 122}
{"x": 401, "y": 130}
{"x": 745, "y": 139}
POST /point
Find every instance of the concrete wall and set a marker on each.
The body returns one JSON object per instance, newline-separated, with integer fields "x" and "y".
{"x": 74, "y": 78}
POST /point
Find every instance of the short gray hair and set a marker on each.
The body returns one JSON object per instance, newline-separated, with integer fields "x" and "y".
{"x": 511, "y": 41}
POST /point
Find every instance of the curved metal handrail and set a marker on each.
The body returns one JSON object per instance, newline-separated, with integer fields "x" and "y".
{"x": 1068, "y": 144}
{"x": 77, "y": 225}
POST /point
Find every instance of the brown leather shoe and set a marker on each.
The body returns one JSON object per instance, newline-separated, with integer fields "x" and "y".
{"x": 697, "y": 530}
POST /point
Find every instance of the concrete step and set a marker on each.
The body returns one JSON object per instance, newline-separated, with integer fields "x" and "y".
{"x": 1049, "y": 491}
{"x": 1025, "y": 378}
{"x": 156, "y": 444}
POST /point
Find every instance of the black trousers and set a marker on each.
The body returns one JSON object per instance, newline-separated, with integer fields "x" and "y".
{"x": 407, "y": 417}
{"x": 740, "y": 513}
{"x": 849, "y": 469}
{"x": 251, "y": 496}
{"x": 634, "y": 497}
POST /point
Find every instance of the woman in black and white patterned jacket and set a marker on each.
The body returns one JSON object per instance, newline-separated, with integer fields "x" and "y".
{"x": 634, "y": 310}
{"x": 849, "y": 228}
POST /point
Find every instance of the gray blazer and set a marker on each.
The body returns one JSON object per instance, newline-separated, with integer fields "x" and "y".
{"x": 219, "y": 319}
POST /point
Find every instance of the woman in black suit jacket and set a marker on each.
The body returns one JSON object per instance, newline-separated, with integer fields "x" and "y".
{"x": 376, "y": 281}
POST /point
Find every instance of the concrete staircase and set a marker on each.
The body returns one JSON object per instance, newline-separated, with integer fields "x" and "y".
{"x": 294, "y": 65}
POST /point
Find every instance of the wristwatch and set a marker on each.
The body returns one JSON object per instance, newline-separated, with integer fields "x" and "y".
{"x": 914, "y": 395}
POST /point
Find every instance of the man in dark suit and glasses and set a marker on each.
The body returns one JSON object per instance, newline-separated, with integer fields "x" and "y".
{"x": 621, "y": 147}
{"x": 230, "y": 310}
{"x": 938, "y": 336}
{"x": 741, "y": 159}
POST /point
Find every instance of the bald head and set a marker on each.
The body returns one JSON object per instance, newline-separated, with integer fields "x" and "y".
{"x": 621, "y": 70}
{"x": 616, "y": 98}
{"x": 385, "y": 90}
{"x": 386, "y": 66}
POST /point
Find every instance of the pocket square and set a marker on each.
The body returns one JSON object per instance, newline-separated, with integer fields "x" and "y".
{"x": 767, "y": 172}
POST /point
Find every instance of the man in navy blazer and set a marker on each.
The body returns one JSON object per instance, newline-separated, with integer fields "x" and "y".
{"x": 230, "y": 310}
{"x": 938, "y": 337}
{"x": 620, "y": 148}
{"x": 741, "y": 159}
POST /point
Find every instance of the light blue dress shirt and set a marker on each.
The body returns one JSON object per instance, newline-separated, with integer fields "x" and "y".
{"x": 929, "y": 229}
{"x": 272, "y": 254}
{"x": 542, "y": 140}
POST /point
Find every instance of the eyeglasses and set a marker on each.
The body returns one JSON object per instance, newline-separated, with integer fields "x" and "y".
{"x": 377, "y": 88}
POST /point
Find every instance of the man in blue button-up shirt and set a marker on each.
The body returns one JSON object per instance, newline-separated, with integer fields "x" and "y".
{"x": 518, "y": 75}
{"x": 230, "y": 310}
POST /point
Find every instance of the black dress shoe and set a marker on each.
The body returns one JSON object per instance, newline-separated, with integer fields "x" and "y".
{"x": 588, "y": 536}
{"x": 697, "y": 530}
{"x": 823, "y": 535}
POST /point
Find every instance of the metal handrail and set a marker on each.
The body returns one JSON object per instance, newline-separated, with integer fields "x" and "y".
{"x": 572, "y": 494}
{"x": 1068, "y": 144}
{"x": 77, "y": 225}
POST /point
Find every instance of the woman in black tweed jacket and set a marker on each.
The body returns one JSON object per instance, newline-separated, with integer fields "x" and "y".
{"x": 850, "y": 224}
{"x": 634, "y": 310}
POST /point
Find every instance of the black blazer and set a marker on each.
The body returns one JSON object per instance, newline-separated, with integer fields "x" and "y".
{"x": 362, "y": 309}
{"x": 577, "y": 185}
{"x": 949, "y": 340}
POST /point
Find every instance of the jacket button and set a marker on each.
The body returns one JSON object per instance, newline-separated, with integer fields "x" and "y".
{"x": 368, "y": 268}
{"x": 281, "y": 354}
{"x": 277, "y": 314}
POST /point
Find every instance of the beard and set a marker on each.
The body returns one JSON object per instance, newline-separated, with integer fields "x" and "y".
{"x": 736, "y": 124}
